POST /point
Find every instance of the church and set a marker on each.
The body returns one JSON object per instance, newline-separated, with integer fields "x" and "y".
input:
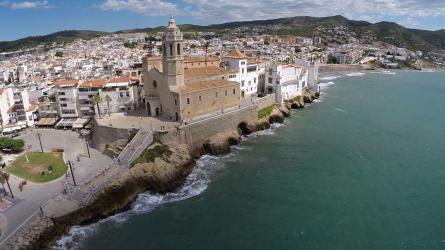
{"x": 184, "y": 94}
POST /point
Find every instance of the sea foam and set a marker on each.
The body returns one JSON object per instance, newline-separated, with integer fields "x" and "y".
{"x": 356, "y": 74}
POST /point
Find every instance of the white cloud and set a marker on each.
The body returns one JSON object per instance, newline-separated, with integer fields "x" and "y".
{"x": 146, "y": 7}
{"x": 215, "y": 11}
{"x": 25, "y": 5}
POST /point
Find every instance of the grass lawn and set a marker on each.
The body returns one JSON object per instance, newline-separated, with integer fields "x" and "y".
{"x": 39, "y": 168}
{"x": 265, "y": 112}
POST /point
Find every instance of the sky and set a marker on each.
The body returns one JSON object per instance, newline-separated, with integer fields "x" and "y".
{"x": 22, "y": 18}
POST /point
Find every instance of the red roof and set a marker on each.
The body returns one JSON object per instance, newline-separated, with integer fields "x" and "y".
{"x": 119, "y": 79}
{"x": 99, "y": 83}
{"x": 63, "y": 83}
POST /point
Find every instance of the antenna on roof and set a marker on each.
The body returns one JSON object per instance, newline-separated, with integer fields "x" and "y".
{"x": 171, "y": 9}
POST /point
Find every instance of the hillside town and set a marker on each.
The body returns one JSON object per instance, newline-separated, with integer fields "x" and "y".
{"x": 67, "y": 87}
{"x": 77, "y": 118}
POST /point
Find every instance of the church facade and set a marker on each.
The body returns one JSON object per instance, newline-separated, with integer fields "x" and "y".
{"x": 177, "y": 93}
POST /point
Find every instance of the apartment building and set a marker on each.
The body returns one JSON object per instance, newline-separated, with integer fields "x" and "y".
{"x": 66, "y": 97}
{"x": 244, "y": 70}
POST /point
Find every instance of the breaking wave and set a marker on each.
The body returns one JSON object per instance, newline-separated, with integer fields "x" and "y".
{"x": 356, "y": 74}
{"x": 329, "y": 78}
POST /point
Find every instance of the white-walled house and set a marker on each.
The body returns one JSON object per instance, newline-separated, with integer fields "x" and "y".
{"x": 244, "y": 71}
{"x": 287, "y": 81}
{"x": 122, "y": 95}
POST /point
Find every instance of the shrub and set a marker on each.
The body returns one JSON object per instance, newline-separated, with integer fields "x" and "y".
{"x": 149, "y": 155}
{"x": 11, "y": 145}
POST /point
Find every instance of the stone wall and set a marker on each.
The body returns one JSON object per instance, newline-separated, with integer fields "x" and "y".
{"x": 101, "y": 136}
{"x": 266, "y": 101}
{"x": 195, "y": 134}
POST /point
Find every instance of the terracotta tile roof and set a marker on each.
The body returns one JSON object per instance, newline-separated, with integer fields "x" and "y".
{"x": 66, "y": 83}
{"x": 195, "y": 59}
{"x": 195, "y": 73}
{"x": 236, "y": 54}
{"x": 99, "y": 83}
{"x": 206, "y": 85}
{"x": 119, "y": 79}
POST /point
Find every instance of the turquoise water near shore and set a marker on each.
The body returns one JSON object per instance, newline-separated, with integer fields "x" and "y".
{"x": 362, "y": 169}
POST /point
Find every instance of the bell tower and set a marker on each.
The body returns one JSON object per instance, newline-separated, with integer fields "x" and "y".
{"x": 172, "y": 51}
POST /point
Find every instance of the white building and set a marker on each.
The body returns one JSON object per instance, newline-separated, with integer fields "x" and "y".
{"x": 244, "y": 71}
{"x": 6, "y": 103}
{"x": 66, "y": 96}
{"x": 122, "y": 96}
{"x": 287, "y": 81}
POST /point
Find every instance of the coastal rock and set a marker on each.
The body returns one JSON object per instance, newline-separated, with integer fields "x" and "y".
{"x": 307, "y": 97}
{"x": 285, "y": 110}
{"x": 297, "y": 105}
{"x": 162, "y": 175}
{"x": 317, "y": 95}
{"x": 220, "y": 143}
{"x": 247, "y": 128}
{"x": 276, "y": 116}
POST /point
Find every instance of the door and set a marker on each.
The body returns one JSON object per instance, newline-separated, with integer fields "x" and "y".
{"x": 148, "y": 108}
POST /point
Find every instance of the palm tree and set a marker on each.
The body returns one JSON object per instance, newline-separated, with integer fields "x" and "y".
{"x": 95, "y": 101}
{"x": 108, "y": 100}
{"x": 206, "y": 48}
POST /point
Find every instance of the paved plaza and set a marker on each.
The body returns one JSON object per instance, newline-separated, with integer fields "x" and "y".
{"x": 34, "y": 196}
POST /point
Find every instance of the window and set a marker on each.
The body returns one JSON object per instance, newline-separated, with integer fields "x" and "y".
{"x": 61, "y": 93}
{"x": 64, "y": 105}
{"x": 121, "y": 94}
{"x": 178, "y": 49}
{"x": 242, "y": 71}
{"x": 254, "y": 80}
{"x": 155, "y": 84}
{"x": 216, "y": 94}
{"x": 188, "y": 100}
{"x": 176, "y": 102}
{"x": 270, "y": 80}
{"x": 171, "y": 49}
{"x": 199, "y": 98}
{"x": 234, "y": 91}
{"x": 270, "y": 71}
{"x": 225, "y": 93}
{"x": 243, "y": 62}
{"x": 242, "y": 83}
{"x": 127, "y": 94}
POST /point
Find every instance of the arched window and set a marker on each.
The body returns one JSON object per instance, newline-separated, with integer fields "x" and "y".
{"x": 178, "y": 49}
{"x": 155, "y": 84}
{"x": 171, "y": 49}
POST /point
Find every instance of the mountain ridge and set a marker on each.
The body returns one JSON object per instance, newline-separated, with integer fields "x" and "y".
{"x": 336, "y": 29}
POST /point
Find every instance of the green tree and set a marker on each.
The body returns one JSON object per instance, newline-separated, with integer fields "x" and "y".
{"x": 96, "y": 100}
{"x": 206, "y": 48}
{"x": 11, "y": 145}
{"x": 108, "y": 100}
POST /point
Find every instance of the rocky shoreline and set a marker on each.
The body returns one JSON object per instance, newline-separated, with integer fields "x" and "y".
{"x": 162, "y": 175}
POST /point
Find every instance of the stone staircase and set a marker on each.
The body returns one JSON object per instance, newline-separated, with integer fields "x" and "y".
{"x": 83, "y": 193}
